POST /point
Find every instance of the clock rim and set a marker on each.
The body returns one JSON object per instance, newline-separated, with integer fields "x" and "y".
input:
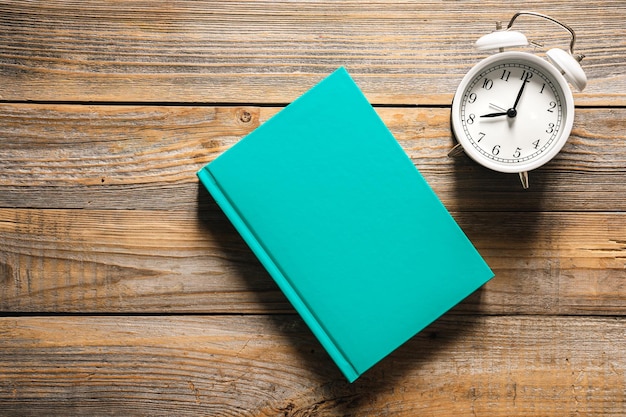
{"x": 513, "y": 56}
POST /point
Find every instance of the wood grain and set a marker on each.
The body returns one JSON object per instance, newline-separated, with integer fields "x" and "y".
{"x": 273, "y": 366}
{"x": 271, "y": 51}
{"x": 124, "y": 290}
{"x": 188, "y": 261}
{"x": 145, "y": 157}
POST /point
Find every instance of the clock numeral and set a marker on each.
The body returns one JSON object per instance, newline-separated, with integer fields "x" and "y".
{"x": 470, "y": 119}
{"x": 550, "y": 128}
{"x": 495, "y": 150}
{"x": 542, "y": 87}
{"x": 472, "y": 98}
{"x": 552, "y": 107}
{"x": 536, "y": 144}
{"x": 487, "y": 84}
{"x": 517, "y": 153}
{"x": 526, "y": 75}
{"x": 505, "y": 75}
{"x": 481, "y": 135}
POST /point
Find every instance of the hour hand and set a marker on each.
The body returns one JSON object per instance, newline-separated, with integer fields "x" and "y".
{"x": 502, "y": 113}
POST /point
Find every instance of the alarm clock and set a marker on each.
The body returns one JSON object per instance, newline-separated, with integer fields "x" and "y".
{"x": 514, "y": 110}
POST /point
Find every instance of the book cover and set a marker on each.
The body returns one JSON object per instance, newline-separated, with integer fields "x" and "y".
{"x": 345, "y": 224}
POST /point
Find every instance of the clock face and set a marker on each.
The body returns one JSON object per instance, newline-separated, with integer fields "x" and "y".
{"x": 512, "y": 112}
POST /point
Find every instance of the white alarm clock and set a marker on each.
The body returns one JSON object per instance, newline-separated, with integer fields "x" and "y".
{"x": 514, "y": 111}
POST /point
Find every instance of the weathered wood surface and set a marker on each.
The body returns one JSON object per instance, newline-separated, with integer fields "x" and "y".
{"x": 273, "y": 366}
{"x": 186, "y": 261}
{"x": 145, "y": 157}
{"x": 124, "y": 289}
{"x": 269, "y": 51}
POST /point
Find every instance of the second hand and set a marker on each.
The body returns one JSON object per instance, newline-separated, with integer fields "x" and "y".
{"x": 496, "y": 107}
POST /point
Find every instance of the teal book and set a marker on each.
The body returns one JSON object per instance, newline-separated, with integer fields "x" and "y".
{"x": 345, "y": 224}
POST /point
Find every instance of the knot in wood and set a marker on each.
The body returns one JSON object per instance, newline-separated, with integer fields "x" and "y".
{"x": 245, "y": 116}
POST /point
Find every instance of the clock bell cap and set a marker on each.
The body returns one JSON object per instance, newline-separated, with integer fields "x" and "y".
{"x": 501, "y": 39}
{"x": 569, "y": 67}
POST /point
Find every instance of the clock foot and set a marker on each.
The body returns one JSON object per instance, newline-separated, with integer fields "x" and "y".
{"x": 456, "y": 151}
{"x": 523, "y": 176}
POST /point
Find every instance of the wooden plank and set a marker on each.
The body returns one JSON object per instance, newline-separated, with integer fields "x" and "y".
{"x": 271, "y": 52}
{"x": 270, "y": 366}
{"x": 145, "y": 157}
{"x": 188, "y": 261}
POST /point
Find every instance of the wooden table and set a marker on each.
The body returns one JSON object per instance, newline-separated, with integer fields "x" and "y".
{"x": 124, "y": 290}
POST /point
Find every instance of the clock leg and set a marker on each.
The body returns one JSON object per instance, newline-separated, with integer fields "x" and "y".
{"x": 456, "y": 151}
{"x": 523, "y": 176}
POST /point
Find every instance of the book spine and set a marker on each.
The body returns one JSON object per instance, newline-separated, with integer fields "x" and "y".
{"x": 273, "y": 269}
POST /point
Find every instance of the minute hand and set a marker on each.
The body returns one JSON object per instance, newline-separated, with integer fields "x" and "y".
{"x": 519, "y": 94}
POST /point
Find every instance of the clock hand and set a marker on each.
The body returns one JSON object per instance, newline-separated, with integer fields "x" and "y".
{"x": 519, "y": 95}
{"x": 495, "y": 106}
{"x": 504, "y": 113}
{"x": 521, "y": 90}
{"x": 512, "y": 112}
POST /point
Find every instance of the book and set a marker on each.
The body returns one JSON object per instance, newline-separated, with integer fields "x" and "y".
{"x": 345, "y": 224}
